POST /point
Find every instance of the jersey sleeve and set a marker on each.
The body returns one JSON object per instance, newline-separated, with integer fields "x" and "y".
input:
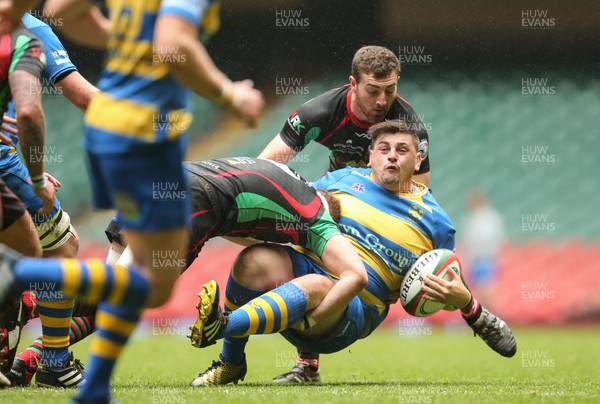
{"x": 320, "y": 232}
{"x": 58, "y": 62}
{"x": 444, "y": 236}
{"x": 190, "y": 10}
{"x": 28, "y": 53}
{"x": 328, "y": 180}
{"x": 338, "y": 180}
{"x": 307, "y": 123}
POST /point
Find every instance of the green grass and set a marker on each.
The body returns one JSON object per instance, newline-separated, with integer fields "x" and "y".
{"x": 552, "y": 365}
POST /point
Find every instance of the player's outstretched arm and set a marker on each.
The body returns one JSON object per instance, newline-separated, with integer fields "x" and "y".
{"x": 82, "y": 21}
{"x": 278, "y": 151}
{"x": 176, "y": 44}
{"x": 25, "y": 89}
{"x": 75, "y": 88}
{"x": 342, "y": 260}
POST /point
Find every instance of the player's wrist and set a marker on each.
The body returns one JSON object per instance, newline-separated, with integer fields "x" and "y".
{"x": 469, "y": 302}
{"x": 227, "y": 94}
{"x": 38, "y": 181}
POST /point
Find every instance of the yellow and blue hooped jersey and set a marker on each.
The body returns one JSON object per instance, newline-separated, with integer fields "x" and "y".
{"x": 389, "y": 231}
{"x": 140, "y": 101}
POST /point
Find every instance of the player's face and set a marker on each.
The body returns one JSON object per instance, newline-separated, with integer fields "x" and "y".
{"x": 373, "y": 97}
{"x": 394, "y": 158}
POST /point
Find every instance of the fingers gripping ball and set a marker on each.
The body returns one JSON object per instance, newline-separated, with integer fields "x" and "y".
{"x": 436, "y": 262}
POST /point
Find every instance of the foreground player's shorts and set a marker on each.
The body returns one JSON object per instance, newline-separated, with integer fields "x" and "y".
{"x": 147, "y": 186}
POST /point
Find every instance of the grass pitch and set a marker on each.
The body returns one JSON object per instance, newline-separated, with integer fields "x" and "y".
{"x": 391, "y": 366}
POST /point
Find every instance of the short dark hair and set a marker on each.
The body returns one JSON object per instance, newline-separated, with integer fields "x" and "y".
{"x": 377, "y": 60}
{"x": 393, "y": 126}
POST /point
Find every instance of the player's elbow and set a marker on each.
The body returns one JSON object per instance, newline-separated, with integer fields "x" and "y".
{"x": 363, "y": 279}
{"x": 29, "y": 114}
{"x": 166, "y": 49}
{"x": 359, "y": 277}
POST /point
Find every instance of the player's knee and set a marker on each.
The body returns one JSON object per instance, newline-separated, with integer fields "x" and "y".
{"x": 69, "y": 249}
{"x": 33, "y": 250}
{"x": 160, "y": 292}
{"x": 263, "y": 267}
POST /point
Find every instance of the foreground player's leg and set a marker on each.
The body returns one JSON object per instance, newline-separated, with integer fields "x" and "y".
{"x": 124, "y": 290}
{"x": 91, "y": 280}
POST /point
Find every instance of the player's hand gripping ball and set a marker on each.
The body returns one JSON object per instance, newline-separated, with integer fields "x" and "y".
{"x": 436, "y": 262}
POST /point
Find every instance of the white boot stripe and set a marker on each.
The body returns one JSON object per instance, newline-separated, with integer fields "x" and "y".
{"x": 69, "y": 375}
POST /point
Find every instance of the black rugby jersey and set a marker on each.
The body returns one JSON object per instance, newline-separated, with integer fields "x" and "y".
{"x": 258, "y": 198}
{"x": 328, "y": 120}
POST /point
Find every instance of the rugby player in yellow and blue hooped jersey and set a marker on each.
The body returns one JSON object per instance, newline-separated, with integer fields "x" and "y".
{"x": 368, "y": 214}
{"x": 135, "y": 145}
{"x": 391, "y": 220}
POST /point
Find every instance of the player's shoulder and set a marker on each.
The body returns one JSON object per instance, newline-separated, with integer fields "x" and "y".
{"x": 442, "y": 218}
{"x": 22, "y": 30}
{"x": 30, "y": 22}
{"x": 326, "y": 104}
{"x": 402, "y": 104}
{"x": 338, "y": 177}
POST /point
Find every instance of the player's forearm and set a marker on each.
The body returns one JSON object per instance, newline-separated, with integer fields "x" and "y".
{"x": 342, "y": 260}
{"x": 278, "y": 150}
{"x": 32, "y": 137}
{"x": 338, "y": 298}
{"x": 82, "y": 22}
{"x": 77, "y": 90}
{"x": 176, "y": 44}
{"x": 26, "y": 92}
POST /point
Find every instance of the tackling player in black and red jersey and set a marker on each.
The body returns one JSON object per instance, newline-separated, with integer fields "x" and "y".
{"x": 254, "y": 198}
{"x": 340, "y": 118}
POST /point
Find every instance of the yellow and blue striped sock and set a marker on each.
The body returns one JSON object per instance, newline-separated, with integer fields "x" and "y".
{"x": 236, "y": 295}
{"x": 270, "y": 313}
{"x": 114, "y": 325}
{"x": 92, "y": 281}
{"x": 56, "y": 320}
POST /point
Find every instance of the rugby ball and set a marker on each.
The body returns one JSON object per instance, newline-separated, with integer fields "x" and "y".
{"x": 436, "y": 262}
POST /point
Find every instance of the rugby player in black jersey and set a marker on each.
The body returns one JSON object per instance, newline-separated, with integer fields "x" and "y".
{"x": 340, "y": 118}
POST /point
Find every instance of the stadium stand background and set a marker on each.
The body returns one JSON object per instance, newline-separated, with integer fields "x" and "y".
{"x": 536, "y": 156}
